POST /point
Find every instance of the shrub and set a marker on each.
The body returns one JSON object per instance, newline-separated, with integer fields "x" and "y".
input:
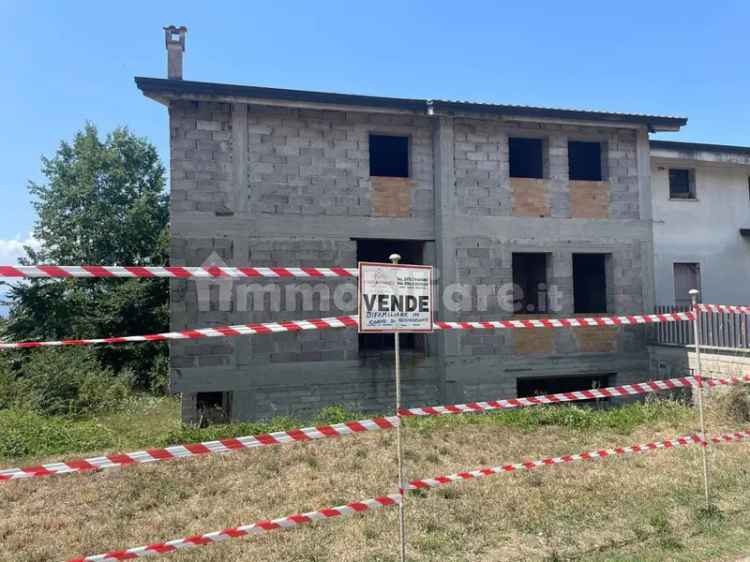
{"x": 735, "y": 403}
{"x": 159, "y": 375}
{"x": 26, "y": 433}
{"x": 64, "y": 382}
{"x": 7, "y": 389}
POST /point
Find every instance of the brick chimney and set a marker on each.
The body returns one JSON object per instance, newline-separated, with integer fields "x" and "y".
{"x": 174, "y": 38}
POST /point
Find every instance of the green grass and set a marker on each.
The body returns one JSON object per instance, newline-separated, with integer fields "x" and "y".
{"x": 152, "y": 422}
{"x": 622, "y": 419}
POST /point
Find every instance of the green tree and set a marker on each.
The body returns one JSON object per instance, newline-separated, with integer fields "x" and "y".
{"x": 103, "y": 203}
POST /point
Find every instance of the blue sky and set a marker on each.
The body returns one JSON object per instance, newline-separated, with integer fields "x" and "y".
{"x": 64, "y": 63}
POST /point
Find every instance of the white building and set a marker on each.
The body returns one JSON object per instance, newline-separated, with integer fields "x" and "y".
{"x": 701, "y": 213}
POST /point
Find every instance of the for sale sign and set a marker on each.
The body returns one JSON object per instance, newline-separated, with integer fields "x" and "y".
{"x": 395, "y": 298}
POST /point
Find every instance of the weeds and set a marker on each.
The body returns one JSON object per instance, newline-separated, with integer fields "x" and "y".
{"x": 635, "y": 508}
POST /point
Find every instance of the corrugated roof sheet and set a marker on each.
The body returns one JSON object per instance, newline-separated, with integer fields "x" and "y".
{"x": 185, "y": 88}
{"x": 698, "y": 146}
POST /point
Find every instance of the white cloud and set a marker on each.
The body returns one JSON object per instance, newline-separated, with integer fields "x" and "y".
{"x": 12, "y": 249}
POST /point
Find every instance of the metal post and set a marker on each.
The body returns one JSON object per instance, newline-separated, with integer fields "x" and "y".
{"x": 395, "y": 258}
{"x": 699, "y": 379}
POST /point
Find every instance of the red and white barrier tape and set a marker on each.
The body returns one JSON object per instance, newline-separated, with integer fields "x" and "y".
{"x": 712, "y": 381}
{"x": 581, "y": 322}
{"x": 352, "y": 322}
{"x": 593, "y": 394}
{"x": 346, "y": 428}
{"x": 577, "y": 395}
{"x": 724, "y": 308}
{"x": 157, "y": 549}
{"x": 175, "y": 272}
{"x": 258, "y": 528}
{"x": 219, "y": 331}
{"x": 197, "y": 449}
{"x": 683, "y": 441}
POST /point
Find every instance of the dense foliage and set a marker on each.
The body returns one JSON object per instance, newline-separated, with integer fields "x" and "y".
{"x": 60, "y": 382}
{"x": 103, "y": 203}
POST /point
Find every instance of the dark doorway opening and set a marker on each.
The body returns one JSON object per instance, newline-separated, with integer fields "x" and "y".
{"x": 529, "y": 283}
{"x": 589, "y": 283}
{"x": 533, "y": 386}
{"x": 378, "y": 250}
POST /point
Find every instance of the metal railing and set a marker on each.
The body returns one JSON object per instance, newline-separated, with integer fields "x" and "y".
{"x": 719, "y": 331}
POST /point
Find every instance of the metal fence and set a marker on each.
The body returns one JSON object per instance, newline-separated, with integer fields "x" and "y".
{"x": 719, "y": 331}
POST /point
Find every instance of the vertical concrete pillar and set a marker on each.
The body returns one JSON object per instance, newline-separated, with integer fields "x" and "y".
{"x": 558, "y": 175}
{"x": 643, "y": 157}
{"x": 445, "y": 242}
{"x": 648, "y": 281}
{"x": 239, "y": 197}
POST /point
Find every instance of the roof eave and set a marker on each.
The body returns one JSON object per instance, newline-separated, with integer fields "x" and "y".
{"x": 654, "y": 123}
{"x": 163, "y": 90}
{"x": 184, "y": 89}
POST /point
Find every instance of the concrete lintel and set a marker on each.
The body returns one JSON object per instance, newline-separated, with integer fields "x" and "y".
{"x": 554, "y": 230}
{"x": 507, "y": 367}
{"x": 211, "y": 379}
{"x": 197, "y": 225}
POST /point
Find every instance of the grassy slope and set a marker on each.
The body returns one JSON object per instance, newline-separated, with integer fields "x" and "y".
{"x": 639, "y": 508}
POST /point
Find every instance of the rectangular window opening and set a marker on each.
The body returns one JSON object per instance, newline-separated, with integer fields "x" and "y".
{"x": 687, "y": 276}
{"x": 526, "y": 157}
{"x": 589, "y": 283}
{"x": 530, "y": 283}
{"x": 378, "y": 250}
{"x": 389, "y": 156}
{"x": 585, "y": 161}
{"x": 681, "y": 184}
{"x": 537, "y": 386}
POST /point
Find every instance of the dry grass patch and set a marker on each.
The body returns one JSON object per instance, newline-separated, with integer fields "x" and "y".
{"x": 638, "y": 508}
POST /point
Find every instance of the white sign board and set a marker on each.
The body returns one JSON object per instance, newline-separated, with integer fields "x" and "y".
{"x": 395, "y": 298}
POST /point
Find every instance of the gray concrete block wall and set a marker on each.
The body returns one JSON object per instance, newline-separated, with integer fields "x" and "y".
{"x": 483, "y": 260}
{"x": 244, "y": 306}
{"x": 482, "y": 170}
{"x": 311, "y": 162}
{"x": 675, "y": 361}
{"x": 200, "y": 148}
{"x": 303, "y": 176}
{"x": 623, "y": 175}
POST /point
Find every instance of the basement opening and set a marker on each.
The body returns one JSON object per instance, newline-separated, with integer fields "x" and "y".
{"x": 536, "y": 386}
{"x": 529, "y": 283}
{"x": 389, "y": 156}
{"x": 584, "y": 161}
{"x": 590, "y": 283}
{"x": 378, "y": 250}
{"x": 213, "y": 407}
{"x": 526, "y": 157}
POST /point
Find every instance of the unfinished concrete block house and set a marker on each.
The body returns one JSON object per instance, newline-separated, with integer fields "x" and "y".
{"x": 489, "y": 194}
